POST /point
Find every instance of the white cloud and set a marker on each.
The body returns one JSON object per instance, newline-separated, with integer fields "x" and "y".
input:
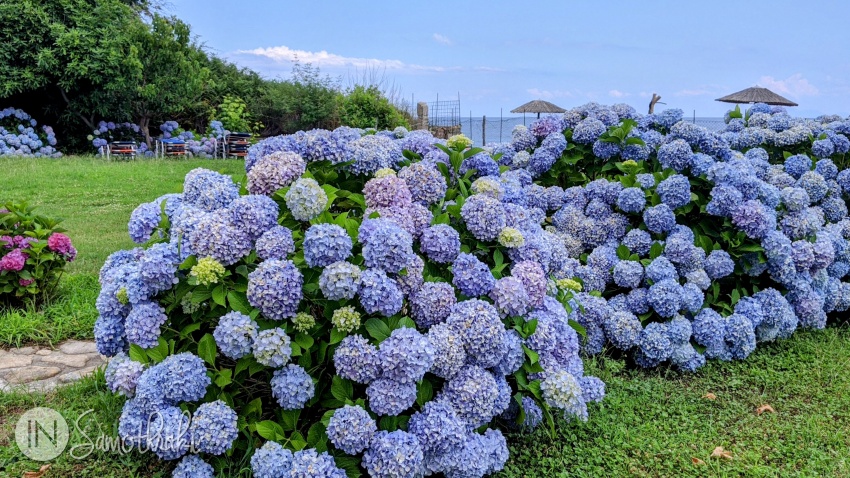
{"x": 442, "y": 39}
{"x": 284, "y": 54}
{"x": 794, "y": 85}
{"x": 549, "y": 94}
{"x": 617, "y": 94}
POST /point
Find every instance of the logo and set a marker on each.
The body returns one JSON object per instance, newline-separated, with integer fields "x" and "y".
{"x": 41, "y": 434}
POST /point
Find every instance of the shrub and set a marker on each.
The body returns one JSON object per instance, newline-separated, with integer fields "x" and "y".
{"x": 20, "y": 137}
{"x": 33, "y": 252}
{"x": 671, "y": 243}
{"x": 290, "y": 313}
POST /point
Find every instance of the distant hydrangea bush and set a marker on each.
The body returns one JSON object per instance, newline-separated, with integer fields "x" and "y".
{"x": 384, "y": 303}
{"x": 21, "y": 136}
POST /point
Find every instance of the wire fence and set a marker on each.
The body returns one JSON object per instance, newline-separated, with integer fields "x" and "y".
{"x": 487, "y": 129}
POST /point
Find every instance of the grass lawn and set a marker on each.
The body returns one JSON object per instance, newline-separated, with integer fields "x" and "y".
{"x": 651, "y": 423}
{"x": 95, "y": 197}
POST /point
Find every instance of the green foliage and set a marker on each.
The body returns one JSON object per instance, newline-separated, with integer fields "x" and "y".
{"x": 233, "y": 114}
{"x": 366, "y": 107}
{"x": 305, "y": 101}
{"x": 43, "y": 267}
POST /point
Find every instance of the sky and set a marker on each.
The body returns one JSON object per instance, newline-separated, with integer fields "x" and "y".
{"x": 497, "y": 55}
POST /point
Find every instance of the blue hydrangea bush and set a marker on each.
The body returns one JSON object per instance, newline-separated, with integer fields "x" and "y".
{"x": 346, "y": 310}
{"x": 197, "y": 145}
{"x": 21, "y": 136}
{"x": 386, "y": 302}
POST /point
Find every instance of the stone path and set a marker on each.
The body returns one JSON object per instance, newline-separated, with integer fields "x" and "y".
{"x": 45, "y": 368}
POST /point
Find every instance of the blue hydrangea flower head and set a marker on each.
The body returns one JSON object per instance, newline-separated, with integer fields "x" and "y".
{"x": 271, "y": 461}
{"x": 234, "y": 335}
{"x": 675, "y": 191}
{"x": 379, "y": 294}
{"x": 356, "y": 359}
{"x": 253, "y": 214}
{"x": 193, "y": 466}
{"x": 292, "y": 387}
{"x": 213, "y": 428}
{"x": 659, "y": 219}
{"x": 306, "y": 199}
{"x": 325, "y": 244}
{"x": 388, "y": 397}
{"x": 274, "y": 287}
{"x": 272, "y": 347}
{"x": 484, "y": 216}
{"x": 351, "y": 429}
{"x": 340, "y": 281}
{"x": 394, "y": 454}
{"x": 471, "y": 276}
{"x": 432, "y": 303}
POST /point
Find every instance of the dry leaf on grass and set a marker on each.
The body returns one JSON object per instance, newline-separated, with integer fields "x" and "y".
{"x": 697, "y": 461}
{"x": 765, "y": 408}
{"x": 719, "y": 452}
{"x": 37, "y": 474}
{"x": 710, "y": 396}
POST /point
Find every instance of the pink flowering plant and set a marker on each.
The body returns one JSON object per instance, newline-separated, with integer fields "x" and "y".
{"x": 33, "y": 252}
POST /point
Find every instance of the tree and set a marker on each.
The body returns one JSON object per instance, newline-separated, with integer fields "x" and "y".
{"x": 367, "y": 107}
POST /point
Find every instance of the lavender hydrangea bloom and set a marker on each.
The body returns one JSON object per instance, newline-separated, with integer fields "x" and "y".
{"x": 472, "y": 393}
{"x": 275, "y": 171}
{"x": 234, "y": 335}
{"x": 533, "y": 278}
{"x": 484, "y": 216}
{"x": 168, "y": 433}
{"x": 379, "y": 294}
{"x": 122, "y": 374}
{"x": 754, "y": 219}
{"x": 471, "y": 276}
{"x": 275, "y": 288}
{"x": 351, "y": 429}
{"x": 340, "y": 280}
{"x": 623, "y": 329}
{"x": 275, "y": 243}
{"x": 483, "y": 334}
{"x": 356, "y": 359}
{"x": 426, "y": 184}
{"x": 740, "y": 336}
{"x": 510, "y": 297}
{"x": 292, "y": 387}
{"x": 588, "y": 130}
{"x": 213, "y": 428}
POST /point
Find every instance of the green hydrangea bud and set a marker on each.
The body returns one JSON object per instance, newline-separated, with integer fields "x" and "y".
{"x": 569, "y": 284}
{"x": 189, "y": 306}
{"x": 303, "y": 322}
{"x": 122, "y": 297}
{"x": 511, "y": 237}
{"x": 384, "y": 172}
{"x": 459, "y": 142}
{"x": 346, "y": 319}
{"x": 207, "y": 271}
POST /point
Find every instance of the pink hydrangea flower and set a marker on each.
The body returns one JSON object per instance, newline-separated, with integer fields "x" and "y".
{"x": 61, "y": 243}
{"x": 13, "y": 261}
{"x": 25, "y": 282}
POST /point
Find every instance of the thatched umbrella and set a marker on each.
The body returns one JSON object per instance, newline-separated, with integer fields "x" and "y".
{"x": 757, "y": 95}
{"x": 538, "y": 106}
